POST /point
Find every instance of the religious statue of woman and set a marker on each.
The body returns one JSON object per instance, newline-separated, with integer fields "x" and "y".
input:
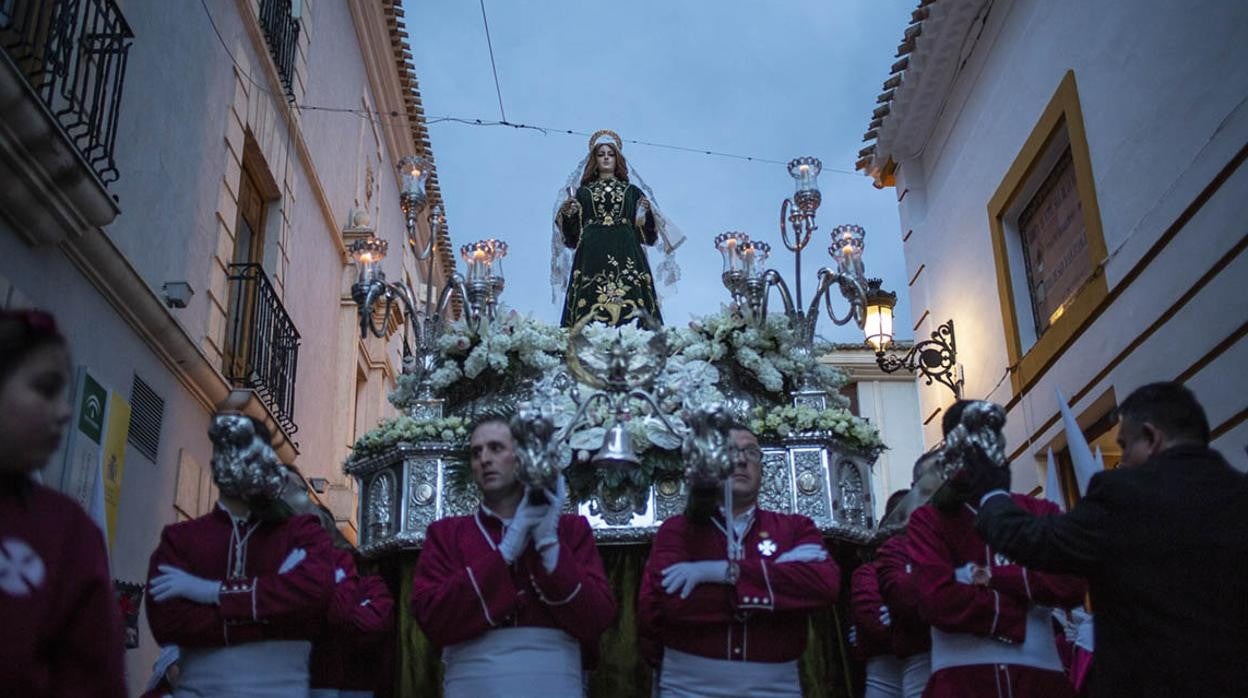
{"x": 605, "y": 213}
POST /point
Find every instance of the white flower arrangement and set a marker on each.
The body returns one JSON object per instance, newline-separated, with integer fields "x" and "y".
{"x": 404, "y": 429}
{"x": 855, "y": 432}
{"x": 510, "y": 344}
{"x": 770, "y": 352}
{"x": 517, "y": 347}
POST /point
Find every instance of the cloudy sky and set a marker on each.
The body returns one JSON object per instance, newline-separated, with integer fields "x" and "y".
{"x": 772, "y": 80}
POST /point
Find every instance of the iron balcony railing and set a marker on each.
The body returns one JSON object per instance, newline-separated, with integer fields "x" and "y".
{"x": 73, "y": 53}
{"x": 262, "y": 346}
{"x": 281, "y": 30}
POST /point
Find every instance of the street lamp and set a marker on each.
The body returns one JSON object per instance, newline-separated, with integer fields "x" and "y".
{"x": 936, "y": 359}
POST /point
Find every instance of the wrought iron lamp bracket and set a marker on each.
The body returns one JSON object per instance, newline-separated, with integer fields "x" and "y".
{"x": 936, "y": 359}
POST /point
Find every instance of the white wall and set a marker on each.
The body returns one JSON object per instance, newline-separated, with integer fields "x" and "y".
{"x": 893, "y": 407}
{"x": 1162, "y": 87}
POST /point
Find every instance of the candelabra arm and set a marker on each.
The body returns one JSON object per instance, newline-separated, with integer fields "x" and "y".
{"x": 411, "y": 326}
{"x": 424, "y": 254}
{"x": 773, "y": 278}
{"x": 456, "y": 285}
{"x": 851, "y": 289}
{"x": 649, "y": 399}
{"x": 566, "y": 432}
{"x": 366, "y": 301}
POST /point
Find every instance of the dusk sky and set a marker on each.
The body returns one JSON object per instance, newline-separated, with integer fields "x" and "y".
{"x": 770, "y": 80}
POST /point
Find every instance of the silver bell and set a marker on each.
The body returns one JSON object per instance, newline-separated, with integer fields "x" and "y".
{"x": 617, "y": 449}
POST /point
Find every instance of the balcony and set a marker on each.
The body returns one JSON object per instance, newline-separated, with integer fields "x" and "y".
{"x": 281, "y": 31}
{"x": 262, "y": 344}
{"x": 73, "y": 55}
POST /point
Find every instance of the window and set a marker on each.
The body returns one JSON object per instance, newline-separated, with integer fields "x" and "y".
{"x": 262, "y": 344}
{"x": 279, "y": 19}
{"x": 248, "y": 250}
{"x": 1047, "y": 240}
{"x": 1055, "y": 244}
{"x": 850, "y": 392}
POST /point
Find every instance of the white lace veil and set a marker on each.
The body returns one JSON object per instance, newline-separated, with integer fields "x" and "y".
{"x": 670, "y": 237}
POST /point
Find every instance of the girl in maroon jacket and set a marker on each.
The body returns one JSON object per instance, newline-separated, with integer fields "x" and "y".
{"x": 62, "y": 628}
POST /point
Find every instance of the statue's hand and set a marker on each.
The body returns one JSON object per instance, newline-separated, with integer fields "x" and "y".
{"x": 571, "y": 207}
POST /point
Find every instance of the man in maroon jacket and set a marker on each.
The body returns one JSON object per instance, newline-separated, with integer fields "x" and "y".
{"x": 733, "y": 622}
{"x": 242, "y": 590}
{"x": 360, "y": 618}
{"x": 990, "y": 617}
{"x": 515, "y": 594}
{"x": 910, "y": 635}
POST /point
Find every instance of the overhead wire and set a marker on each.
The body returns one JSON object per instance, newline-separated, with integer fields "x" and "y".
{"x": 387, "y": 118}
{"x": 497, "y": 90}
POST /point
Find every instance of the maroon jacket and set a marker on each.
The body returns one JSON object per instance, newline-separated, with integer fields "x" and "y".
{"x": 909, "y": 634}
{"x": 462, "y": 586}
{"x": 873, "y": 637}
{"x": 940, "y": 543}
{"x": 62, "y": 626}
{"x": 261, "y": 604}
{"x": 359, "y": 618}
{"x": 761, "y": 619}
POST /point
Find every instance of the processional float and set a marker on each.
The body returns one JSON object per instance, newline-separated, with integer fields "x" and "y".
{"x": 579, "y": 402}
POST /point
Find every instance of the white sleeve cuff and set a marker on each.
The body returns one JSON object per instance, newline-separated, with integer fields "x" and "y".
{"x": 990, "y": 494}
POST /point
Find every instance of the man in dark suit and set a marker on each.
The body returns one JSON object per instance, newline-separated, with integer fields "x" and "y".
{"x": 1163, "y": 541}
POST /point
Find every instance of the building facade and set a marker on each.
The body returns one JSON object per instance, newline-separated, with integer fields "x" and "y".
{"x": 890, "y": 401}
{"x": 1071, "y": 190}
{"x": 182, "y": 183}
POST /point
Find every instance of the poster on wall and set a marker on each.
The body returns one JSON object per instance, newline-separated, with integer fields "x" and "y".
{"x": 114, "y": 458}
{"x": 129, "y": 599}
{"x": 80, "y": 476}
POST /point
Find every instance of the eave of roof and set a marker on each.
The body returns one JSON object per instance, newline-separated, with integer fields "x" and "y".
{"x": 929, "y": 55}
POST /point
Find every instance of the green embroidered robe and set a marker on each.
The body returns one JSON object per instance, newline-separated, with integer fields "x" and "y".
{"x": 611, "y": 277}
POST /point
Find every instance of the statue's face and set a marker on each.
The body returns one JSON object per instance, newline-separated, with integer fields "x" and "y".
{"x": 604, "y": 155}
{"x": 492, "y": 457}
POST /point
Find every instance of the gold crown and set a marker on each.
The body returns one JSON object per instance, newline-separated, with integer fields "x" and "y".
{"x": 615, "y": 138}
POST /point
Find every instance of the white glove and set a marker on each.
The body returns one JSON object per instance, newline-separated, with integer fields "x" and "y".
{"x": 686, "y": 576}
{"x": 962, "y": 575}
{"x": 886, "y": 618}
{"x": 1083, "y": 629}
{"x": 546, "y": 532}
{"x": 516, "y": 539}
{"x": 339, "y": 575}
{"x": 853, "y": 635}
{"x": 177, "y": 583}
{"x": 292, "y": 560}
{"x": 806, "y": 552}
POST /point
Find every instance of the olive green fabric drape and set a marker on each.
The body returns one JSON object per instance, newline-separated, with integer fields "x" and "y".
{"x": 826, "y": 669}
